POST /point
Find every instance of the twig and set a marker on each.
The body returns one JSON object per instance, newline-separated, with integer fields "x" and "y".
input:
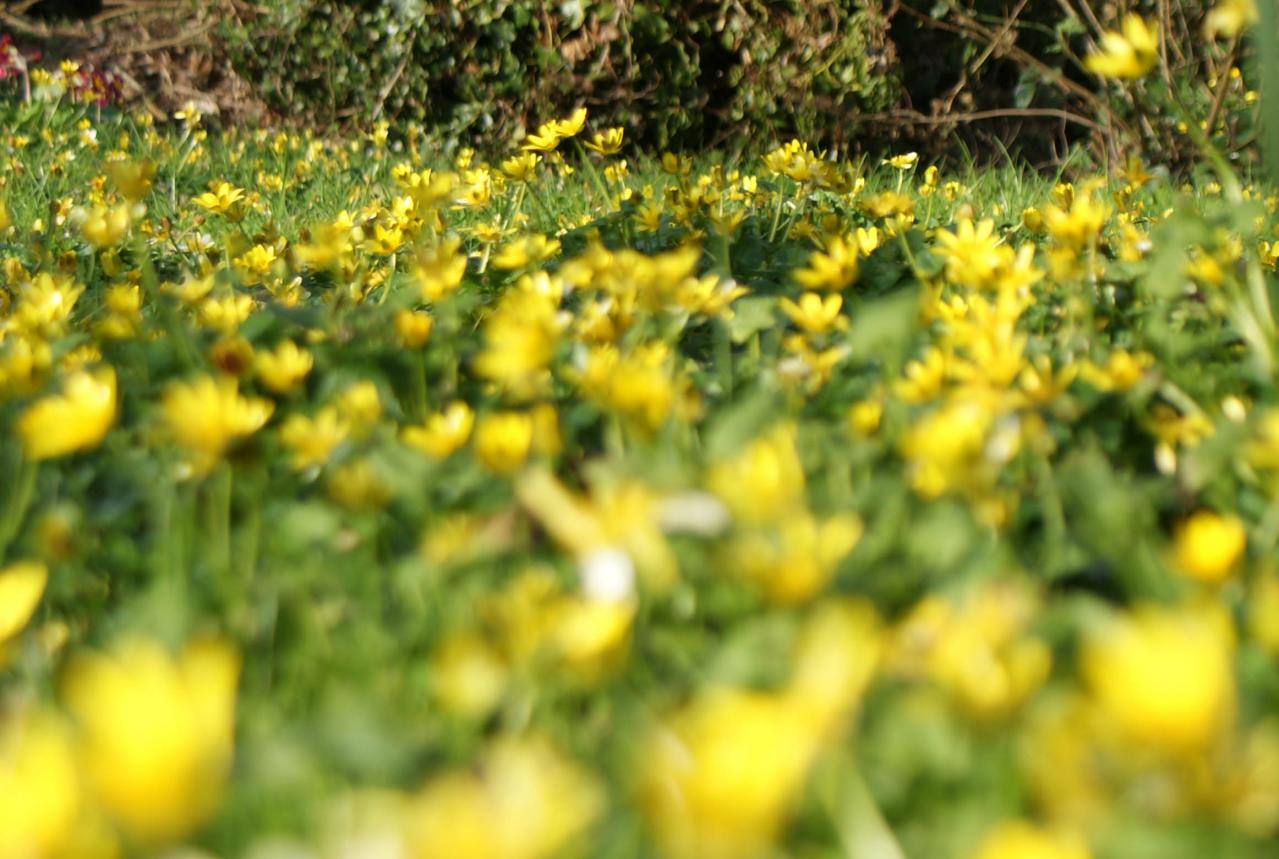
{"x": 916, "y": 118}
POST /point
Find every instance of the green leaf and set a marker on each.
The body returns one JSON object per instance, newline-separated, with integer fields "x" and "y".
{"x": 751, "y": 314}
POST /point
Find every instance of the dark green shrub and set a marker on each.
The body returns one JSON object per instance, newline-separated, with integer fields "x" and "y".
{"x": 673, "y": 73}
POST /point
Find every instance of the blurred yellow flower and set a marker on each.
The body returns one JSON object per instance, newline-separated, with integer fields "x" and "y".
{"x": 21, "y": 586}
{"x": 157, "y": 732}
{"x": 1207, "y": 546}
{"x": 43, "y": 810}
{"x": 104, "y": 227}
{"x": 468, "y": 677}
{"x": 503, "y": 440}
{"x": 763, "y": 482}
{"x": 1164, "y": 677}
{"x": 1127, "y": 54}
{"x": 74, "y": 420}
{"x": 311, "y": 441}
{"x": 1017, "y": 839}
{"x": 443, "y": 433}
{"x": 413, "y": 327}
{"x": 204, "y": 416}
{"x": 527, "y": 801}
{"x": 607, "y": 142}
{"x": 1230, "y": 17}
{"x": 833, "y": 267}
{"x": 282, "y": 369}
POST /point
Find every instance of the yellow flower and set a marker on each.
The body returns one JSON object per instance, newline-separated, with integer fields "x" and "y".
{"x": 21, "y": 586}
{"x": 104, "y": 227}
{"x": 1230, "y": 17}
{"x": 257, "y": 260}
{"x": 312, "y": 440}
{"x": 525, "y": 250}
{"x": 607, "y": 142}
{"x": 794, "y": 563}
{"x": 74, "y": 420}
{"x": 443, "y": 432}
{"x": 815, "y": 314}
{"x": 284, "y": 368}
{"x": 438, "y": 270}
{"x": 385, "y": 240}
{"x": 42, "y": 807}
{"x": 5, "y": 220}
{"x": 361, "y": 406}
{"x": 1016, "y": 839}
{"x": 224, "y": 199}
{"x": 1127, "y": 54}
{"x": 132, "y": 178}
{"x": 521, "y": 168}
{"x": 157, "y": 732}
{"x": 834, "y": 267}
{"x": 864, "y": 416}
{"x": 545, "y": 139}
{"x": 413, "y": 327}
{"x": 526, "y": 801}
{"x": 467, "y": 676}
{"x": 503, "y": 440}
{"x": 1208, "y": 545}
{"x": 1164, "y": 677}
{"x": 571, "y": 124}
{"x": 902, "y": 162}
{"x": 976, "y": 649}
{"x": 763, "y": 482}
{"x": 206, "y": 415}
{"x": 719, "y": 778}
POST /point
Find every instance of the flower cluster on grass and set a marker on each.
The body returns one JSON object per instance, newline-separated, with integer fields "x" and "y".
{"x": 358, "y": 501}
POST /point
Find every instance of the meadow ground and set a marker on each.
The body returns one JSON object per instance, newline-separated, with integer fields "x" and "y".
{"x": 357, "y": 498}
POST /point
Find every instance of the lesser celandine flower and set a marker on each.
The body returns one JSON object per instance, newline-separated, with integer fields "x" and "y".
{"x": 1017, "y": 839}
{"x": 1127, "y": 54}
{"x": 311, "y": 441}
{"x": 132, "y": 178}
{"x": 103, "y": 227}
{"x": 814, "y": 313}
{"x": 527, "y": 802}
{"x": 21, "y": 586}
{"x": 1208, "y": 546}
{"x": 75, "y": 419}
{"x": 607, "y": 142}
{"x": 413, "y": 327}
{"x": 764, "y": 481}
{"x": 503, "y": 440}
{"x": 43, "y": 809}
{"x": 1230, "y": 17}
{"x": 5, "y": 220}
{"x": 443, "y": 432}
{"x": 157, "y": 732}
{"x": 833, "y": 267}
{"x": 1163, "y": 678}
{"x": 282, "y": 369}
{"x": 224, "y": 199}
{"x": 206, "y": 415}
{"x": 468, "y": 677}
{"x": 719, "y": 778}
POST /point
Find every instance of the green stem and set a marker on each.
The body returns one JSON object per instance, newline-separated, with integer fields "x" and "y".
{"x": 777, "y": 216}
{"x": 724, "y": 357}
{"x": 390, "y": 275}
{"x": 19, "y": 501}
{"x": 590, "y": 168}
{"x": 218, "y": 521}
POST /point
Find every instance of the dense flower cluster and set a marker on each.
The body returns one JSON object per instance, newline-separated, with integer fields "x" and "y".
{"x": 359, "y": 502}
